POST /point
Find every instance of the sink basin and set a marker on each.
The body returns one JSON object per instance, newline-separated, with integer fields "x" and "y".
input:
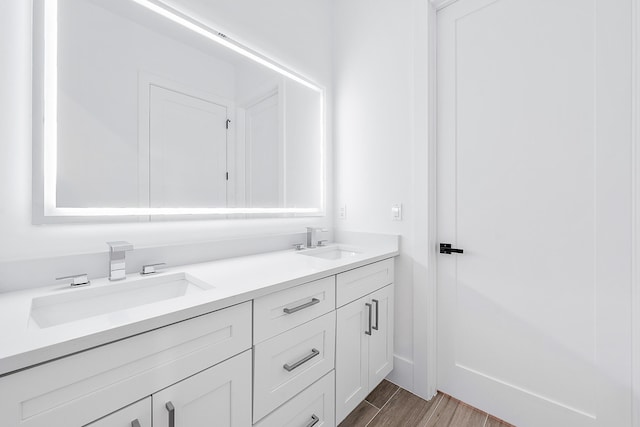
{"x": 77, "y": 304}
{"x": 331, "y": 252}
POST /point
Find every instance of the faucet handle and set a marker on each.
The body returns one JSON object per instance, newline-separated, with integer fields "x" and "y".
{"x": 77, "y": 279}
{"x": 322, "y": 242}
{"x": 150, "y": 268}
{"x": 298, "y": 246}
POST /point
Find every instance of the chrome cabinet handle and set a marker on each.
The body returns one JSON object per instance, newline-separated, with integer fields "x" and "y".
{"x": 376, "y": 302}
{"x": 135, "y": 423}
{"x": 305, "y": 359}
{"x": 368, "y": 332}
{"x": 172, "y": 413}
{"x": 313, "y": 301}
{"x": 314, "y": 421}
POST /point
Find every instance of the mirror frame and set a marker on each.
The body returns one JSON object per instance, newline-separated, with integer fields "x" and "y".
{"x": 45, "y": 209}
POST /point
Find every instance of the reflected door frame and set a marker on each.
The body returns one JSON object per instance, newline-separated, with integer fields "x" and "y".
{"x": 145, "y": 81}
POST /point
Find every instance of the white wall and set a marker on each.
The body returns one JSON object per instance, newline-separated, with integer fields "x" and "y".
{"x": 381, "y": 146}
{"x": 294, "y": 32}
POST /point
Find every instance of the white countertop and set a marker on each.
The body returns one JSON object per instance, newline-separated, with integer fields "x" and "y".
{"x": 234, "y": 280}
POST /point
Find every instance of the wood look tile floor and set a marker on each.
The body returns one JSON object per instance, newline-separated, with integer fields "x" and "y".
{"x": 389, "y": 405}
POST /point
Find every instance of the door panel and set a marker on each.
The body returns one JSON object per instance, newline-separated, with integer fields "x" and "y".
{"x": 264, "y": 154}
{"x": 352, "y": 357}
{"x": 381, "y": 339}
{"x": 534, "y": 184}
{"x": 219, "y": 396}
{"x": 187, "y": 151}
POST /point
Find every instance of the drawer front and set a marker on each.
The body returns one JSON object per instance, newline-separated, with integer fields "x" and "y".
{"x": 126, "y": 417}
{"x": 290, "y": 362}
{"x": 314, "y": 403}
{"x": 284, "y": 310}
{"x": 80, "y": 388}
{"x": 359, "y": 282}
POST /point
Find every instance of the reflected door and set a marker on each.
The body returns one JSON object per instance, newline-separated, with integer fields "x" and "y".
{"x": 187, "y": 151}
{"x": 534, "y": 184}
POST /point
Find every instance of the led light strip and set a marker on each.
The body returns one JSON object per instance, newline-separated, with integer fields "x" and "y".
{"x": 216, "y": 37}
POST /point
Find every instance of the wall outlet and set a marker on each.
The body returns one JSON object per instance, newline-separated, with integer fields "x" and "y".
{"x": 342, "y": 212}
{"x": 396, "y": 212}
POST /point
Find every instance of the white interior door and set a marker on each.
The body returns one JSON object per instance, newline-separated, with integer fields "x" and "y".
{"x": 187, "y": 151}
{"x": 534, "y": 184}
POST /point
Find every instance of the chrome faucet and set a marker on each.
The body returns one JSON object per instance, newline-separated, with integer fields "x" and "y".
{"x": 312, "y": 238}
{"x": 117, "y": 265}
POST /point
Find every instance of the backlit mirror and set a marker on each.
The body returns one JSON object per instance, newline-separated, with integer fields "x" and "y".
{"x": 146, "y": 111}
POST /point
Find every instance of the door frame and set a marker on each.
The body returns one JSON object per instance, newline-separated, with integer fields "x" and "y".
{"x": 425, "y": 297}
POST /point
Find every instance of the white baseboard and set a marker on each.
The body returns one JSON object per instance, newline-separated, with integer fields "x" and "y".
{"x": 402, "y": 373}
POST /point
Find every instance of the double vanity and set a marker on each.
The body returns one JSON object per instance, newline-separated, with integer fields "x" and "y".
{"x": 287, "y": 338}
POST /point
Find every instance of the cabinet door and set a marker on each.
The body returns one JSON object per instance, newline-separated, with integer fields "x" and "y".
{"x": 219, "y": 396}
{"x": 135, "y": 415}
{"x": 381, "y": 339}
{"x": 352, "y": 357}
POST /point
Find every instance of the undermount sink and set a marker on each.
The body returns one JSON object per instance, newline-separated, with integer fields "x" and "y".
{"x": 331, "y": 252}
{"x": 77, "y": 304}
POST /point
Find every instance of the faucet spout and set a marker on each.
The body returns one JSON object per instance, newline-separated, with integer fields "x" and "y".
{"x": 117, "y": 261}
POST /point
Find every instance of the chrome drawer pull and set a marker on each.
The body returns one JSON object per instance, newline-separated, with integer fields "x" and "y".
{"x": 172, "y": 414}
{"x": 305, "y": 359}
{"x": 368, "y": 332}
{"x": 376, "y": 302}
{"x": 135, "y": 423}
{"x": 314, "y": 421}
{"x": 314, "y": 301}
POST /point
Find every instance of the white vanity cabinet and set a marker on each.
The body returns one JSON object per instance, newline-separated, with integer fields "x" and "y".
{"x": 303, "y": 356}
{"x": 364, "y": 337}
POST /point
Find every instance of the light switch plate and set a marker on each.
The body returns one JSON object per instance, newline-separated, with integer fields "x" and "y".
{"x": 342, "y": 212}
{"x": 396, "y": 212}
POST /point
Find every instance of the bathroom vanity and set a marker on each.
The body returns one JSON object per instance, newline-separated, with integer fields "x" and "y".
{"x": 290, "y": 338}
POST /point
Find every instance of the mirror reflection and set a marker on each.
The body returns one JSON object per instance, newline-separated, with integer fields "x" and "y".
{"x": 154, "y": 115}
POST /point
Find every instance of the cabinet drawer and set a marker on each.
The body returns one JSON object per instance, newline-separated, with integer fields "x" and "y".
{"x": 288, "y": 363}
{"x": 80, "y": 388}
{"x": 125, "y": 417}
{"x": 359, "y": 282}
{"x": 315, "y": 402}
{"x": 284, "y": 310}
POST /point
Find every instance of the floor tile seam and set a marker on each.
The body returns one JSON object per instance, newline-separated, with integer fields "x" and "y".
{"x": 437, "y": 404}
{"x": 380, "y": 410}
{"x": 391, "y": 397}
{"x": 376, "y": 414}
